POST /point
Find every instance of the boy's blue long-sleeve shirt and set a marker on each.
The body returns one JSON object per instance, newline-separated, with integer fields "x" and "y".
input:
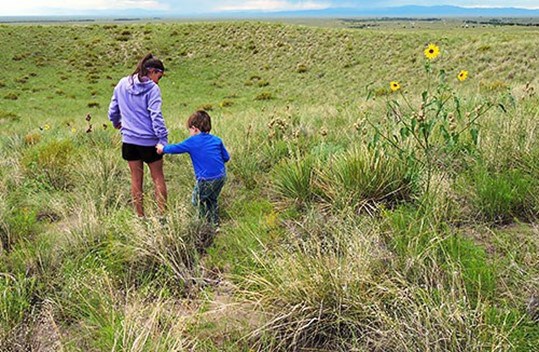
{"x": 208, "y": 155}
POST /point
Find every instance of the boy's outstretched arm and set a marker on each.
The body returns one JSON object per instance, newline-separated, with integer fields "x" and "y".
{"x": 178, "y": 148}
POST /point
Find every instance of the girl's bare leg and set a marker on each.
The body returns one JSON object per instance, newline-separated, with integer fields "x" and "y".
{"x": 158, "y": 177}
{"x": 137, "y": 178}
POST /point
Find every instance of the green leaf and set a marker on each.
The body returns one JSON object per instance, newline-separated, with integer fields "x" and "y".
{"x": 375, "y": 140}
{"x": 424, "y": 96}
{"x": 455, "y": 137}
{"x": 405, "y": 132}
{"x": 445, "y": 133}
{"x": 442, "y": 76}
{"x": 413, "y": 125}
{"x": 456, "y": 100}
{"x": 369, "y": 90}
{"x": 474, "y": 132}
{"x": 427, "y": 66}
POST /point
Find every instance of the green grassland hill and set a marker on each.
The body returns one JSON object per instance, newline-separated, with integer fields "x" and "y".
{"x": 380, "y": 197}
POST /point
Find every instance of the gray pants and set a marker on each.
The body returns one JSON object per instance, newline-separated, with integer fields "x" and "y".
{"x": 205, "y": 196}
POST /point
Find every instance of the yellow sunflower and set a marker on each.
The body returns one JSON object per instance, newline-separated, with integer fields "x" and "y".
{"x": 463, "y": 74}
{"x": 395, "y": 86}
{"x": 432, "y": 51}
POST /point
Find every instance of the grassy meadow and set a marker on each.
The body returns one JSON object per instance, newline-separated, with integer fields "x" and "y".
{"x": 377, "y": 199}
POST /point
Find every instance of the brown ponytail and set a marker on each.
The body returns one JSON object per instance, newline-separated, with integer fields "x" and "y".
{"x": 147, "y": 62}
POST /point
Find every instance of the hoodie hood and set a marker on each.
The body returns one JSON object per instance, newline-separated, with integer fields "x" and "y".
{"x": 136, "y": 106}
{"x": 137, "y": 87}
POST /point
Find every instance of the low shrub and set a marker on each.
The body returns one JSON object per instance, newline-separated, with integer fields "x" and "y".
{"x": 32, "y": 138}
{"x": 9, "y": 116}
{"x": 302, "y": 68}
{"x": 50, "y": 163}
{"x": 226, "y": 103}
{"x": 264, "y": 96}
{"x": 206, "y": 107}
{"x": 11, "y": 96}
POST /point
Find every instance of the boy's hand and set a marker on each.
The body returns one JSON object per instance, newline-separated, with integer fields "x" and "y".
{"x": 159, "y": 148}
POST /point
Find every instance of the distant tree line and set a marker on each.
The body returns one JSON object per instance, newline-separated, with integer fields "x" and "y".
{"x": 503, "y": 22}
{"x": 390, "y": 19}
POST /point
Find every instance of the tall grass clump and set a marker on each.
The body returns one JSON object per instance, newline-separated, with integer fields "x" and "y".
{"x": 248, "y": 166}
{"x": 362, "y": 177}
{"x": 4, "y": 229}
{"x": 348, "y": 293}
{"x": 96, "y": 177}
{"x": 431, "y": 254}
{"x": 103, "y": 317}
{"x": 160, "y": 326}
{"x": 173, "y": 244}
{"x": 313, "y": 295}
{"x": 87, "y": 299}
{"x": 293, "y": 180}
{"x": 19, "y": 222}
{"x": 18, "y": 293}
{"x": 500, "y": 197}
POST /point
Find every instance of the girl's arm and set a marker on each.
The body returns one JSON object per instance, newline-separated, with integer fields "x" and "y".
{"x": 158, "y": 122}
{"x": 114, "y": 111}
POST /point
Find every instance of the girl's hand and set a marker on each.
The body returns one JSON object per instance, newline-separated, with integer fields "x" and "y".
{"x": 159, "y": 148}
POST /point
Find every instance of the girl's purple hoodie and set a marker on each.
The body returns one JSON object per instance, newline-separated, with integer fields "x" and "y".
{"x": 136, "y": 105}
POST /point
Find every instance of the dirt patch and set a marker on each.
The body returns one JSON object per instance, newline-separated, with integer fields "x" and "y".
{"x": 226, "y": 319}
{"x": 38, "y": 332}
{"x": 498, "y": 240}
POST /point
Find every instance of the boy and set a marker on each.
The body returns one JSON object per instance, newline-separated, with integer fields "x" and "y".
{"x": 208, "y": 155}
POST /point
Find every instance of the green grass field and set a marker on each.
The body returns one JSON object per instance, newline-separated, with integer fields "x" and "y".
{"x": 374, "y": 201}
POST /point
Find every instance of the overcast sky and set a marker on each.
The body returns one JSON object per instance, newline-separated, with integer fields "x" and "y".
{"x": 188, "y": 7}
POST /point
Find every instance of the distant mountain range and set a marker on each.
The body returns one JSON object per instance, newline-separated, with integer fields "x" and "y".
{"x": 415, "y": 11}
{"x": 401, "y": 11}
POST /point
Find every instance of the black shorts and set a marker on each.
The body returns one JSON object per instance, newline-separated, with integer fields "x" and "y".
{"x": 133, "y": 152}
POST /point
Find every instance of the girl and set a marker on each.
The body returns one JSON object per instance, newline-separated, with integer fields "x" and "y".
{"x": 135, "y": 109}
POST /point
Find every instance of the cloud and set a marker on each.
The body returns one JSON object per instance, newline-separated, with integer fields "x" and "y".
{"x": 187, "y": 7}
{"x": 271, "y": 5}
{"x": 529, "y": 4}
{"x": 38, "y": 7}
